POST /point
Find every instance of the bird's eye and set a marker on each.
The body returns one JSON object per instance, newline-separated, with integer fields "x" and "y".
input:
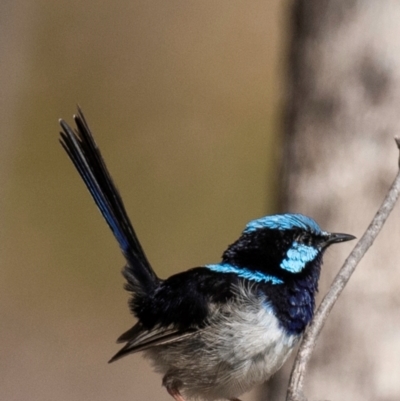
{"x": 304, "y": 238}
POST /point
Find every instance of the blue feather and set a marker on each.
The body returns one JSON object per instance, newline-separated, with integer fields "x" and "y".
{"x": 285, "y": 222}
{"x": 244, "y": 273}
{"x": 297, "y": 257}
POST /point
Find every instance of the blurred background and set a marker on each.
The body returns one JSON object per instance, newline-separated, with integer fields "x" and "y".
{"x": 209, "y": 114}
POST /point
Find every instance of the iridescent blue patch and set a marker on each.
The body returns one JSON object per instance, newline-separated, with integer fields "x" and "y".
{"x": 285, "y": 222}
{"x": 297, "y": 257}
{"x": 244, "y": 273}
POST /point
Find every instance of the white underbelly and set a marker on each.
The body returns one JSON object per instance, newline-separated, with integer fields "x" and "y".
{"x": 242, "y": 346}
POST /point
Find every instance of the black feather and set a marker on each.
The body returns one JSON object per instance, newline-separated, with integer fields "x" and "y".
{"x": 181, "y": 305}
{"x": 86, "y": 156}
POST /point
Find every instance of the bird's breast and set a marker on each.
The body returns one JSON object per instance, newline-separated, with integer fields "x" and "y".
{"x": 250, "y": 337}
{"x": 242, "y": 345}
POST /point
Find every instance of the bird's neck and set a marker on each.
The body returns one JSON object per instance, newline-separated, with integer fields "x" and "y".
{"x": 294, "y": 300}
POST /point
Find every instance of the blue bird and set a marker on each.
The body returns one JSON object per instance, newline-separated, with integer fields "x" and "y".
{"x": 217, "y": 330}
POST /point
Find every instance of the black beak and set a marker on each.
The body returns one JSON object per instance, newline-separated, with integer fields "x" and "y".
{"x": 335, "y": 238}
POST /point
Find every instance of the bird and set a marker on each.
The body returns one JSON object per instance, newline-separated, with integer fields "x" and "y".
{"x": 217, "y": 330}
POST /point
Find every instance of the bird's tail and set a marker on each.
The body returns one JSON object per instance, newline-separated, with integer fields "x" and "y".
{"x": 86, "y": 156}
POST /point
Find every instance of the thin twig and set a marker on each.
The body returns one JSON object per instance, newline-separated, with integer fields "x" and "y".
{"x": 296, "y": 383}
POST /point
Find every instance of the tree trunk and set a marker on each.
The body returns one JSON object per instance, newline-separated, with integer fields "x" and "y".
{"x": 339, "y": 160}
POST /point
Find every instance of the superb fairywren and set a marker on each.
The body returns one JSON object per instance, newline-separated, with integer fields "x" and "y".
{"x": 217, "y": 330}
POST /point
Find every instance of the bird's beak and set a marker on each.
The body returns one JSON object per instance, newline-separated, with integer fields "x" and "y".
{"x": 334, "y": 238}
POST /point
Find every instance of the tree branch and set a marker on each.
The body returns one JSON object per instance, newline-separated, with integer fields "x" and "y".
{"x": 296, "y": 383}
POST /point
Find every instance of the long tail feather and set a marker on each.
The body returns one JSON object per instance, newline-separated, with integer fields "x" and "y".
{"x": 85, "y": 155}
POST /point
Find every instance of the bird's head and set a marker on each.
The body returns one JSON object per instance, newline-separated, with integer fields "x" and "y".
{"x": 283, "y": 246}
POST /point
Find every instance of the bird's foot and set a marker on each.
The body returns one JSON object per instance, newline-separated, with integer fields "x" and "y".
{"x": 175, "y": 394}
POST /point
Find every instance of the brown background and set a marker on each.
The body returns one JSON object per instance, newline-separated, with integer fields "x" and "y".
{"x": 187, "y": 99}
{"x": 183, "y": 97}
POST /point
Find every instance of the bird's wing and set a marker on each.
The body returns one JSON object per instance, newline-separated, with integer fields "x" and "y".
{"x": 183, "y": 305}
{"x": 139, "y": 339}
